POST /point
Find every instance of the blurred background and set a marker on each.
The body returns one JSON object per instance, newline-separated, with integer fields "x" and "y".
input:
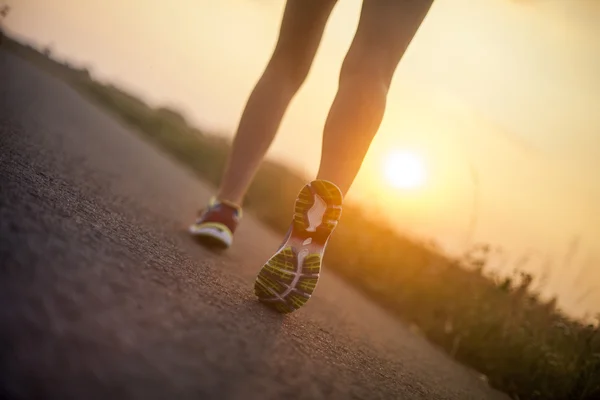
{"x": 492, "y": 131}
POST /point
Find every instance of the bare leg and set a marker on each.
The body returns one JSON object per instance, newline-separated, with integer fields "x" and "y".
{"x": 299, "y": 37}
{"x": 384, "y": 32}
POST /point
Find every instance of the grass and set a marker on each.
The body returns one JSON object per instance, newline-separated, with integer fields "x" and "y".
{"x": 497, "y": 325}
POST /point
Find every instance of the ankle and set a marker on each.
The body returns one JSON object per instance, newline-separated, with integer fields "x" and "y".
{"x": 230, "y": 204}
{"x": 233, "y": 201}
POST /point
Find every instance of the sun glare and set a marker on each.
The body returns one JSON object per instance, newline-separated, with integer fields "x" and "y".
{"x": 404, "y": 170}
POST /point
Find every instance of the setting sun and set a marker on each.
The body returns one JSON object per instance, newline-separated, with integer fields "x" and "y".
{"x": 404, "y": 170}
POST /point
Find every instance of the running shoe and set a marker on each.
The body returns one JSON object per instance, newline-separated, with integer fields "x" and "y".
{"x": 216, "y": 224}
{"x": 289, "y": 278}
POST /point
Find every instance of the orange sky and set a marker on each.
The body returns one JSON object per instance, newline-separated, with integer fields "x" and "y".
{"x": 508, "y": 87}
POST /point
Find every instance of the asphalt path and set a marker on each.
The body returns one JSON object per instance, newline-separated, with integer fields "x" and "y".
{"x": 104, "y": 296}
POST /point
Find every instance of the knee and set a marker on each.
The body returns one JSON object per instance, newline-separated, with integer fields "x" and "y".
{"x": 367, "y": 67}
{"x": 289, "y": 68}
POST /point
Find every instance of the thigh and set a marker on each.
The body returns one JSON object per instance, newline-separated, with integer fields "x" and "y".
{"x": 301, "y": 29}
{"x": 385, "y": 29}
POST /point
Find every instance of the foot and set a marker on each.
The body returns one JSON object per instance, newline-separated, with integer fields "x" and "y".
{"x": 216, "y": 224}
{"x": 289, "y": 278}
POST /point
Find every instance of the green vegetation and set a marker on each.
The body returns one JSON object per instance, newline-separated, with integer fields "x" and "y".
{"x": 498, "y": 326}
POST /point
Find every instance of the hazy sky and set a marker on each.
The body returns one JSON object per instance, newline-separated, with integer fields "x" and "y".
{"x": 510, "y": 88}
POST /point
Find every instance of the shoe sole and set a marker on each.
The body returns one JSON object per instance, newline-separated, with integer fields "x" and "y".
{"x": 212, "y": 235}
{"x": 287, "y": 281}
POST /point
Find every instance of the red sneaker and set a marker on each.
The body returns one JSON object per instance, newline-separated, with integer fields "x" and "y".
{"x": 216, "y": 224}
